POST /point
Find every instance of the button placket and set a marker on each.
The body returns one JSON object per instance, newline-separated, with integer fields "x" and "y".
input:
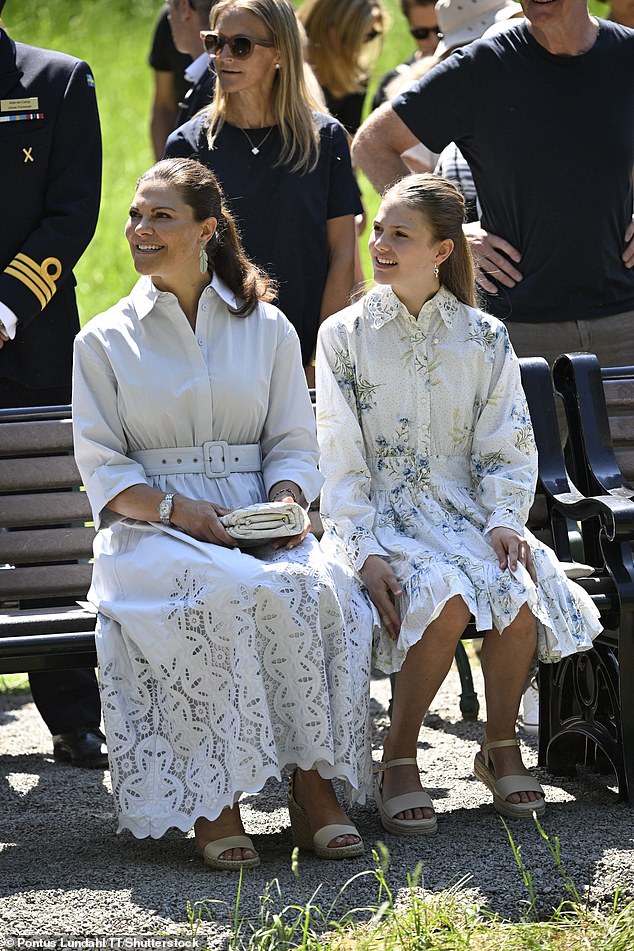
{"x": 423, "y": 387}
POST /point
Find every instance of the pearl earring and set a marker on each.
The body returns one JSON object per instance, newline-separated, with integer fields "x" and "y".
{"x": 203, "y": 259}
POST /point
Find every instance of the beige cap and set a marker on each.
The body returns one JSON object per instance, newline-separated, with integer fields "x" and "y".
{"x": 462, "y": 21}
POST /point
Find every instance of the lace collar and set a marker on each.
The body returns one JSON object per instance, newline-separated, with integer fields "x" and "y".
{"x": 382, "y": 305}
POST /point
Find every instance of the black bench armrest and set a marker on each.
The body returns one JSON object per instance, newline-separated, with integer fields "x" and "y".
{"x": 579, "y": 380}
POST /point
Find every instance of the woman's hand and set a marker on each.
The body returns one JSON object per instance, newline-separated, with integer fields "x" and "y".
{"x": 383, "y": 588}
{"x": 511, "y": 548}
{"x": 294, "y": 495}
{"x": 201, "y": 520}
{"x": 294, "y": 540}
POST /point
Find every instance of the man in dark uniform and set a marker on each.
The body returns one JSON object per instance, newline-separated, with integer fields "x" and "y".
{"x": 50, "y": 157}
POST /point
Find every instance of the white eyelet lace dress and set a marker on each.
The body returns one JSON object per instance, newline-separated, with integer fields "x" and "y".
{"x": 217, "y": 668}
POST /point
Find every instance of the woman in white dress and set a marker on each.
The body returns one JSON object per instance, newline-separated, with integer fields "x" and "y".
{"x": 218, "y": 668}
{"x": 430, "y": 465}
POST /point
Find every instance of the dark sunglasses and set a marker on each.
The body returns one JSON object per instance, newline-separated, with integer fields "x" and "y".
{"x": 424, "y": 32}
{"x": 241, "y": 47}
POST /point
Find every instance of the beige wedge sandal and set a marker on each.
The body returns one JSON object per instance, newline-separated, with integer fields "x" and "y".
{"x": 507, "y": 785}
{"x": 389, "y": 808}
{"x": 213, "y": 850}
{"x": 318, "y": 843}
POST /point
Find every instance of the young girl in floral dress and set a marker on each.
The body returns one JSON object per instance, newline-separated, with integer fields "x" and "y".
{"x": 430, "y": 465}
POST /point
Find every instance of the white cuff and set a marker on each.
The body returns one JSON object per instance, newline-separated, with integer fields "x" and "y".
{"x": 8, "y": 318}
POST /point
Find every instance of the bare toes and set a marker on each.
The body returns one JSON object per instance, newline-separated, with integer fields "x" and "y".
{"x": 237, "y": 855}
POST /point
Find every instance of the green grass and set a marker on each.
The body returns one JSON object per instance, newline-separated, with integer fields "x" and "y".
{"x": 450, "y": 920}
{"x": 13, "y": 682}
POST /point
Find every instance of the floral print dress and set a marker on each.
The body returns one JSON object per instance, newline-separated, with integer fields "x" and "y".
{"x": 426, "y": 446}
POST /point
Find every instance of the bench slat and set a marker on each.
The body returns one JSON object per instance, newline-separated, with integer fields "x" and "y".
{"x": 48, "y": 652}
{"x": 48, "y": 472}
{"x": 622, "y": 429}
{"x": 619, "y": 394}
{"x": 70, "y": 618}
{"x": 46, "y": 545}
{"x": 43, "y": 582}
{"x": 21, "y": 439}
{"x": 44, "y": 508}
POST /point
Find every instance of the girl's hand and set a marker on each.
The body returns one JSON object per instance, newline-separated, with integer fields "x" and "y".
{"x": 383, "y": 588}
{"x": 510, "y": 547}
{"x": 201, "y": 520}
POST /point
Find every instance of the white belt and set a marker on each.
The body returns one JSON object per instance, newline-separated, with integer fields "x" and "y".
{"x": 216, "y": 458}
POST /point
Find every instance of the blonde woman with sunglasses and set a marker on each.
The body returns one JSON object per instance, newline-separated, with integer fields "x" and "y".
{"x": 284, "y": 166}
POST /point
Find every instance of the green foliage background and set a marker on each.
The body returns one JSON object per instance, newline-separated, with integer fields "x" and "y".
{"x": 114, "y": 37}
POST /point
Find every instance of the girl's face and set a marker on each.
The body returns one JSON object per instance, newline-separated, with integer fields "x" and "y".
{"x": 404, "y": 253}
{"x": 163, "y": 235}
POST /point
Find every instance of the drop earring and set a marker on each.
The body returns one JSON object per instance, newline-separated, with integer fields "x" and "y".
{"x": 436, "y": 271}
{"x": 203, "y": 259}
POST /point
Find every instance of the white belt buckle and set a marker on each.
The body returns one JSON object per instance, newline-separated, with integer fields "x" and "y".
{"x": 216, "y": 457}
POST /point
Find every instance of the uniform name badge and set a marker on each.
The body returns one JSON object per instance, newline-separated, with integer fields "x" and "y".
{"x": 19, "y": 105}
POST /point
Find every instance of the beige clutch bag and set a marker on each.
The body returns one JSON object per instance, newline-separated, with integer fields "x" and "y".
{"x": 266, "y": 521}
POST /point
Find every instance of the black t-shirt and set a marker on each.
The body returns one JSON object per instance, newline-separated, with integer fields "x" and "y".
{"x": 282, "y": 216}
{"x": 346, "y": 109}
{"x": 550, "y": 141}
{"x": 164, "y": 56}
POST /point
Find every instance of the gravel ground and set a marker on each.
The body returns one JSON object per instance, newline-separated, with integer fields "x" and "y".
{"x": 64, "y": 872}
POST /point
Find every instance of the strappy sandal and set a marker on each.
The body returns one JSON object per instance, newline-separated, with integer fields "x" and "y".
{"x": 507, "y": 785}
{"x": 318, "y": 843}
{"x": 389, "y": 808}
{"x": 213, "y": 850}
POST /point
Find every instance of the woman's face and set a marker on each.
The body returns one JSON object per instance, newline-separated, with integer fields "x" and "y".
{"x": 163, "y": 235}
{"x": 404, "y": 252}
{"x": 372, "y": 40}
{"x": 423, "y": 20}
{"x": 258, "y": 70}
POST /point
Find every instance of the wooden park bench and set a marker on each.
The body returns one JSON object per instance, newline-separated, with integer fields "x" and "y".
{"x": 46, "y": 538}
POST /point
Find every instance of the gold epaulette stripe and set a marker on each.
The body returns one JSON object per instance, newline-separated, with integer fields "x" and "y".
{"x": 36, "y": 276}
{"x": 28, "y": 283}
{"x": 32, "y": 281}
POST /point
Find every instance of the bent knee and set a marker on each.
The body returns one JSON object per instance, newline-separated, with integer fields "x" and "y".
{"x": 523, "y": 623}
{"x": 456, "y": 614}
